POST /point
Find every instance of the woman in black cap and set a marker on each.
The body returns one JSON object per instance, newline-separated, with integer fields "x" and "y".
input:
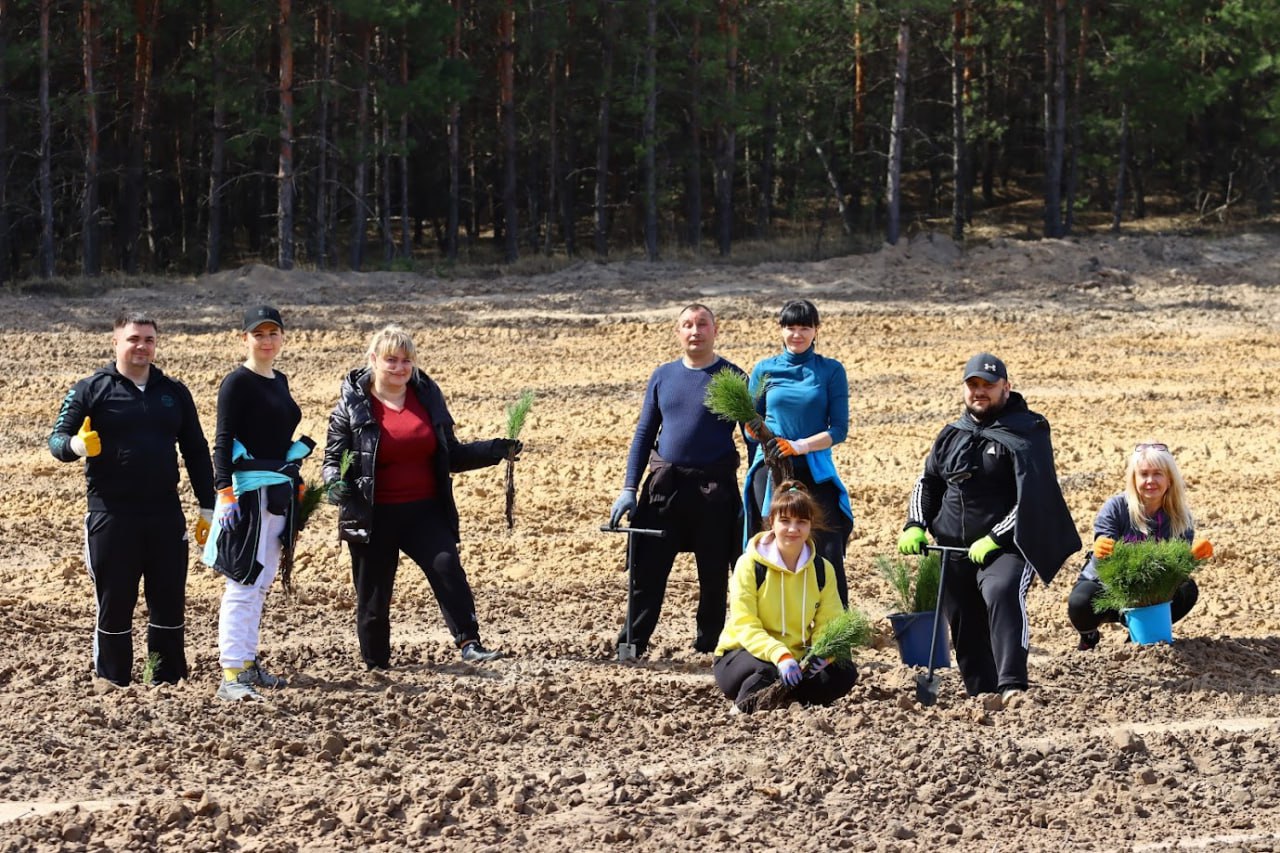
{"x": 396, "y": 494}
{"x": 256, "y": 471}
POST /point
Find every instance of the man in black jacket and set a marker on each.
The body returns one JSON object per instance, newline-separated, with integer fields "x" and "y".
{"x": 124, "y": 421}
{"x": 989, "y": 485}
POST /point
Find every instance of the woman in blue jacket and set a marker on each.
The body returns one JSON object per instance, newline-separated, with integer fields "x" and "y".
{"x": 803, "y": 398}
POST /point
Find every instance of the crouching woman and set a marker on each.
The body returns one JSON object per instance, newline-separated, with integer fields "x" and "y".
{"x": 781, "y": 594}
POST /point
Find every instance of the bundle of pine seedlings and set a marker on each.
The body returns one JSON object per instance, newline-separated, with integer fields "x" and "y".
{"x": 516, "y": 414}
{"x": 1140, "y": 574}
{"x": 729, "y": 398}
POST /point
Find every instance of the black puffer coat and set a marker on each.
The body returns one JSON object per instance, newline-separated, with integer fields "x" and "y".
{"x": 353, "y": 427}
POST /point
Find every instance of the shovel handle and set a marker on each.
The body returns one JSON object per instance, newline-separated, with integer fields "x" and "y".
{"x": 604, "y": 528}
{"x": 944, "y": 549}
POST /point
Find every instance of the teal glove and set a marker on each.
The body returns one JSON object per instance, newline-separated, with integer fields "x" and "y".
{"x": 912, "y": 540}
{"x": 980, "y": 550}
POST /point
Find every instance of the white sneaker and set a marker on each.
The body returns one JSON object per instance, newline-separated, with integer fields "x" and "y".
{"x": 238, "y": 690}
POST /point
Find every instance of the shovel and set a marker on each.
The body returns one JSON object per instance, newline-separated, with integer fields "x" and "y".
{"x": 927, "y": 685}
{"x": 627, "y": 650}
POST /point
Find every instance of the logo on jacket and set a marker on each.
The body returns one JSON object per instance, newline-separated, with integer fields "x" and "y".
{"x": 167, "y": 401}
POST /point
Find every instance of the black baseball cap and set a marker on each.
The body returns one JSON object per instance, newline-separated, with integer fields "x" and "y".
{"x": 986, "y": 366}
{"x": 259, "y": 314}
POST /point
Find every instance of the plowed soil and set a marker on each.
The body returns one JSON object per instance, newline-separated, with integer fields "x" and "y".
{"x": 558, "y": 747}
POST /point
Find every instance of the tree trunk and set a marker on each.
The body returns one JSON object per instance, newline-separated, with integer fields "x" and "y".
{"x": 1122, "y": 159}
{"x": 1077, "y": 110}
{"x": 959, "y": 145}
{"x": 323, "y": 210}
{"x": 553, "y": 150}
{"x": 146, "y": 12}
{"x": 768, "y": 148}
{"x": 455, "y": 148}
{"x": 4, "y": 145}
{"x": 507, "y": 84}
{"x": 384, "y": 185}
{"x": 727, "y": 135}
{"x": 693, "y": 169}
{"x": 858, "y": 138}
{"x": 602, "y": 128}
{"x": 90, "y": 260}
{"x": 650, "y": 132}
{"x": 1055, "y": 49}
{"x": 218, "y": 145}
{"x": 406, "y": 214}
{"x": 284, "y": 209}
{"x": 46, "y": 148}
{"x": 832, "y": 181}
{"x": 360, "y": 215}
{"x": 896, "y": 130}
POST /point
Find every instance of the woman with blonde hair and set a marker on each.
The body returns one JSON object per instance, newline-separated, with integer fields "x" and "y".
{"x": 1153, "y": 506}
{"x": 397, "y": 495}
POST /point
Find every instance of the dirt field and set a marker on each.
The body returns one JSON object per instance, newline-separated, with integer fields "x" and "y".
{"x": 557, "y": 747}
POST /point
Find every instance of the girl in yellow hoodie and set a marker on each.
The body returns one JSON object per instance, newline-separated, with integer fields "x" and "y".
{"x": 780, "y": 595}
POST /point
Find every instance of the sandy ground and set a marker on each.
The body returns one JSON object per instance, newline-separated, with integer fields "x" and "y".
{"x": 557, "y": 746}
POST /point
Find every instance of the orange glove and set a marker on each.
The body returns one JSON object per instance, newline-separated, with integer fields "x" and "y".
{"x": 752, "y": 429}
{"x": 1103, "y": 546}
{"x": 777, "y": 448}
{"x": 1201, "y": 548}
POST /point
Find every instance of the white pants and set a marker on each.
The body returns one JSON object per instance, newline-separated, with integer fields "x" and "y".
{"x": 241, "y": 612}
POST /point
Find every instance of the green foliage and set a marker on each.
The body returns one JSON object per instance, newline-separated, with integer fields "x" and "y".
{"x": 915, "y": 588}
{"x": 315, "y": 492}
{"x": 149, "y": 668}
{"x": 729, "y": 399}
{"x": 1140, "y": 574}
{"x": 516, "y": 414}
{"x": 850, "y": 629}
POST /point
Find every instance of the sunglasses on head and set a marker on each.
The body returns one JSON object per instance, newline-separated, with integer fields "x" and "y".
{"x": 1155, "y": 445}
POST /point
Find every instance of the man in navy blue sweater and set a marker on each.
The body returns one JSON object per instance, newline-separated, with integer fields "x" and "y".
{"x": 692, "y": 487}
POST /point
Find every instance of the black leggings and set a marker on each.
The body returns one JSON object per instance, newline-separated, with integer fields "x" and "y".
{"x": 421, "y": 530}
{"x": 1080, "y": 604}
{"x": 739, "y": 674}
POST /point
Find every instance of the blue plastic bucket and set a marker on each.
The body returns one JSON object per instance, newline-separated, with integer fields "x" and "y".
{"x": 912, "y": 632}
{"x": 1150, "y": 625}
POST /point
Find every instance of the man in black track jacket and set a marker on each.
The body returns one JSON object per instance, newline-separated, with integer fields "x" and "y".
{"x": 124, "y": 421}
{"x": 989, "y": 485}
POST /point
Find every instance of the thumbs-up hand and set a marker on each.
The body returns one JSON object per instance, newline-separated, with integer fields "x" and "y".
{"x": 86, "y": 441}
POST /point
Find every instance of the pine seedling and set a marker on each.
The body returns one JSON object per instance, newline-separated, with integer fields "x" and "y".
{"x": 915, "y": 590}
{"x": 850, "y": 629}
{"x": 315, "y": 492}
{"x": 150, "y": 667}
{"x": 729, "y": 398}
{"x": 516, "y": 414}
{"x": 1140, "y": 574}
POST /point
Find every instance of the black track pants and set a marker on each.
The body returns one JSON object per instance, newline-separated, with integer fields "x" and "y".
{"x": 421, "y": 531}
{"x": 987, "y": 612}
{"x": 120, "y": 550}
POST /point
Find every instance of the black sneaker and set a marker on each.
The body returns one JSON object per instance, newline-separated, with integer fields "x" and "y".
{"x": 473, "y": 652}
{"x": 1088, "y": 640}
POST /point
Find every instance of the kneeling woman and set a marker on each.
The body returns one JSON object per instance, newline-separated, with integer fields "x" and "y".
{"x": 1152, "y": 506}
{"x": 396, "y": 494}
{"x": 781, "y": 594}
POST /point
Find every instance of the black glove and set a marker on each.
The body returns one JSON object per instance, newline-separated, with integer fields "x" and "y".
{"x": 506, "y": 448}
{"x": 337, "y": 491}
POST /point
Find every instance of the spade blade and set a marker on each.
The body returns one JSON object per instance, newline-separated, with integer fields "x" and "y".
{"x": 927, "y": 689}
